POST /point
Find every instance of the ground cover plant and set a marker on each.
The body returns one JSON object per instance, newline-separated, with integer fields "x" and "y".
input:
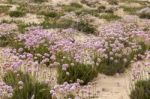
{"x": 25, "y": 87}
{"x": 141, "y": 90}
{"x": 16, "y": 13}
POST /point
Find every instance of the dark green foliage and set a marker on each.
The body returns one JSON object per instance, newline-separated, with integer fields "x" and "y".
{"x": 17, "y": 13}
{"x": 145, "y": 15}
{"x": 3, "y": 41}
{"x": 101, "y": 8}
{"x": 110, "y": 17}
{"x": 22, "y": 27}
{"x": 54, "y": 23}
{"x": 11, "y": 78}
{"x": 79, "y": 71}
{"x": 131, "y": 10}
{"x": 93, "y": 12}
{"x": 6, "y": 40}
{"x": 110, "y": 68}
{"x": 71, "y": 7}
{"x": 51, "y": 14}
{"x": 113, "y": 2}
{"x": 141, "y": 90}
{"x": 39, "y": 1}
{"x": 84, "y": 27}
{"x": 84, "y": 72}
{"x": 30, "y": 86}
{"x": 4, "y": 9}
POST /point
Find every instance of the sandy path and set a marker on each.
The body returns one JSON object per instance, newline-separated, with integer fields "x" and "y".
{"x": 111, "y": 87}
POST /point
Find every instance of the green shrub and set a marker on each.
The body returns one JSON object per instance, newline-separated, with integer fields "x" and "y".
{"x": 79, "y": 71}
{"x": 109, "y": 17}
{"x": 4, "y": 9}
{"x": 23, "y": 7}
{"x": 77, "y": 5}
{"x": 3, "y": 41}
{"x": 51, "y": 14}
{"x": 54, "y": 23}
{"x": 84, "y": 72}
{"x": 101, "y": 8}
{"x": 17, "y": 13}
{"x": 84, "y": 27}
{"x": 6, "y": 40}
{"x": 131, "y": 10}
{"x": 145, "y": 15}
{"x": 22, "y": 27}
{"x": 141, "y": 90}
{"x": 109, "y": 66}
{"x": 88, "y": 11}
{"x": 39, "y": 1}
{"x": 113, "y": 2}
{"x": 71, "y": 7}
{"x": 29, "y": 88}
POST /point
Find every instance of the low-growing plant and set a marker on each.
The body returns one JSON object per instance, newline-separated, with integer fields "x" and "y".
{"x": 54, "y": 23}
{"x": 17, "y": 13}
{"x": 23, "y": 7}
{"x": 51, "y": 14}
{"x": 72, "y": 7}
{"x": 118, "y": 62}
{"x": 113, "y": 2}
{"x": 25, "y": 87}
{"x": 141, "y": 90}
{"x": 6, "y": 40}
{"x": 22, "y": 27}
{"x": 84, "y": 27}
{"x": 39, "y": 1}
{"x": 4, "y": 9}
{"x": 109, "y": 67}
{"x": 93, "y": 12}
{"x": 145, "y": 15}
{"x": 74, "y": 71}
{"x": 109, "y": 17}
{"x": 85, "y": 73}
{"x": 131, "y": 10}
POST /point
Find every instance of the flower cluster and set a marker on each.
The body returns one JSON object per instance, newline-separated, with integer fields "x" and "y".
{"x": 5, "y": 90}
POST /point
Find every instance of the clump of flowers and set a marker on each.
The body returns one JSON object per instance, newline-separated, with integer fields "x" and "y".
{"x": 25, "y": 86}
{"x": 6, "y": 91}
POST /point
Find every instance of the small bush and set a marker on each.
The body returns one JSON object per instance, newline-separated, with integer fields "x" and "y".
{"x": 79, "y": 71}
{"x": 54, "y": 23}
{"x": 39, "y": 1}
{"x": 144, "y": 15}
{"x": 71, "y": 7}
{"x": 110, "y": 17}
{"x": 6, "y": 40}
{"x": 114, "y": 63}
{"x": 84, "y": 27}
{"x": 141, "y": 90}
{"x": 88, "y": 11}
{"x": 131, "y": 10}
{"x": 27, "y": 88}
{"x": 3, "y": 41}
{"x": 22, "y": 27}
{"x": 51, "y": 14}
{"x": 113, "y": 2}
{"x": 77, "y": 5}
{"x": 4, "y": 9}
{"x": 17, "y": 13}
{"x": 84, "y": 72}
